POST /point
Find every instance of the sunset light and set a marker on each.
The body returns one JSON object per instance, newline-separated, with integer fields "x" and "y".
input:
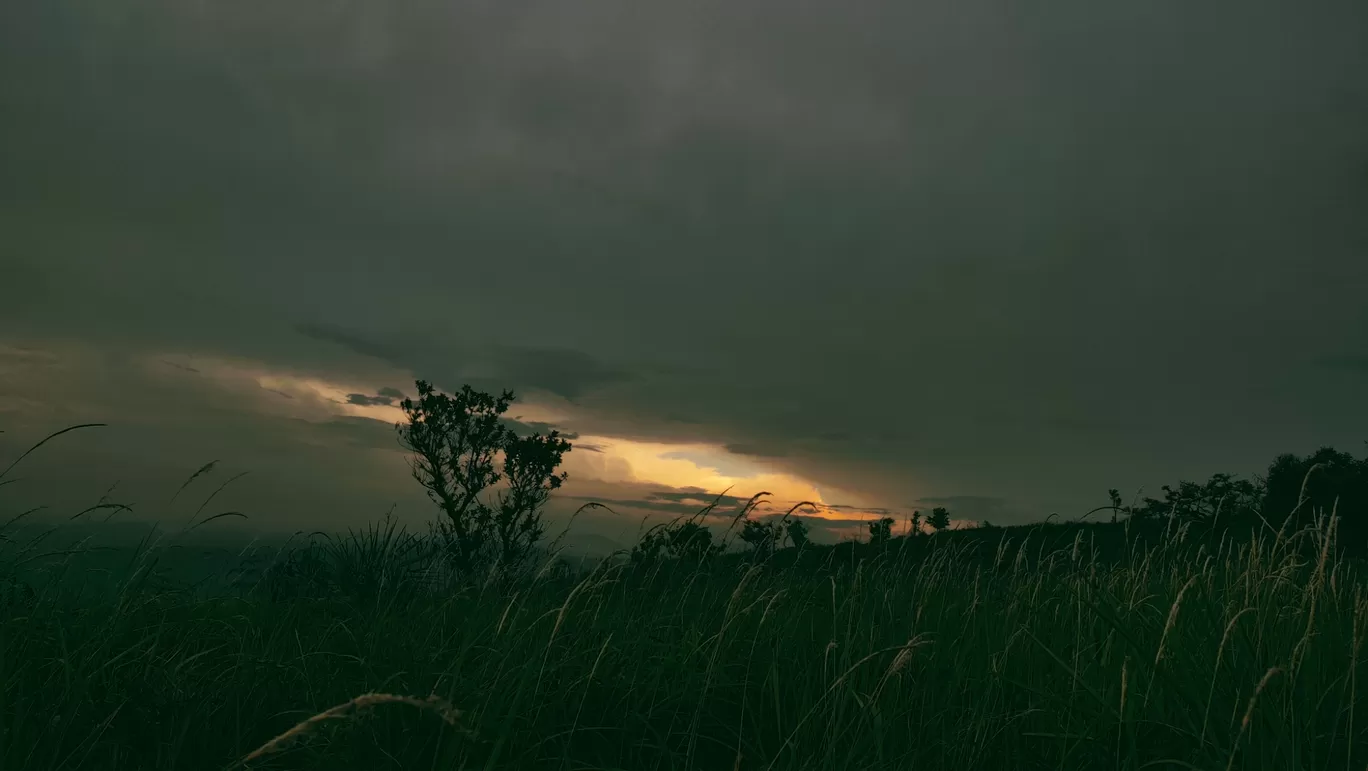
{"x": 605, "y": 459}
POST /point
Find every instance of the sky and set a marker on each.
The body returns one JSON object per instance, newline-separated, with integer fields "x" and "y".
{"x": 875, "y": 254}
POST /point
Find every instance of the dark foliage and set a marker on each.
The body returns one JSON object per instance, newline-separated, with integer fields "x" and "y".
{"x": 939, "y": 518}
{"x": 1323, "y": 483}
{"x": 456, "y": 441}
{"x": 881, "y": 530}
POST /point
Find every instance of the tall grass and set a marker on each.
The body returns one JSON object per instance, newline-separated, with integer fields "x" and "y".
{"x": 1195, "y": 653}
{"x": 1052, "y": 647}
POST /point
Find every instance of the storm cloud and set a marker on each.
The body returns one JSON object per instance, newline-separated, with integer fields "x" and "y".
{"x": 912, "y": 251}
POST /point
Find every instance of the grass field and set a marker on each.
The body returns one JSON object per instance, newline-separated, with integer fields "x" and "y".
{"x": 1056, "y": 646}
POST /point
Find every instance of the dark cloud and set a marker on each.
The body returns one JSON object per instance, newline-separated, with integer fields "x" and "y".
{"x": 365, "y": 400}
{"x": 1357, "y": 363}
{"x": 352, "y": 341}
{"x": 356, "y": 431}
{"x": 527, "y": 428}
{"x": 181, "y": 367}
{"x": 903, "y": 249}
{"x": 565, "y": 373}
{"x": 393, "y": 393}
{"x": 561, "y": 372}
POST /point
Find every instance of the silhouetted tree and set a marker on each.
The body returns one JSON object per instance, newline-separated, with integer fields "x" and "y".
{"x": 455, "y": 441}
{"x": 1222, "y": 494}
{"x": 530, "y": 464}
{"x": 1325, "y": 481}
{"x": 685, "y": 540}
{"x": 939, "y": 519}
{"x": 916, "y": 523}
{"x": 762, "y": 537}
{"x": 881, "y": 530}
{"x": 1115, "y": 496}
{"x": 650, "y": 546}
{"x": 691, "y": 540}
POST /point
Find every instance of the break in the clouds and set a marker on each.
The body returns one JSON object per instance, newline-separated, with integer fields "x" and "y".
{"x": 885, "y": 251}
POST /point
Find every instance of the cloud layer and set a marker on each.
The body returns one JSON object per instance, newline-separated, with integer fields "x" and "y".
{"x": 903, "y": 252}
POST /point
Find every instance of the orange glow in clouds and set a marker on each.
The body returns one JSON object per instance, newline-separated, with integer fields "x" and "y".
{"x": 701, "y": 466}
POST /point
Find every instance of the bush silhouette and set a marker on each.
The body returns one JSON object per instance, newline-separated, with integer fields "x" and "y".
{"x": 456, "y": 441}
{"x": 881, "y": 530}
{"x": 762, "y": 537}
{"x": 1222, "y": 495}
{"x": 1325, "y": 482}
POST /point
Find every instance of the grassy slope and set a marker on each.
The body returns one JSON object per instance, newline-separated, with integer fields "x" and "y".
{"x": 1084, "y": 648}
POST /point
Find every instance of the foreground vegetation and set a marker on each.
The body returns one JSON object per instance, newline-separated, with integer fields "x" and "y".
{"x": 1009, "y": 648}
{"x": 1198, "y": 632}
